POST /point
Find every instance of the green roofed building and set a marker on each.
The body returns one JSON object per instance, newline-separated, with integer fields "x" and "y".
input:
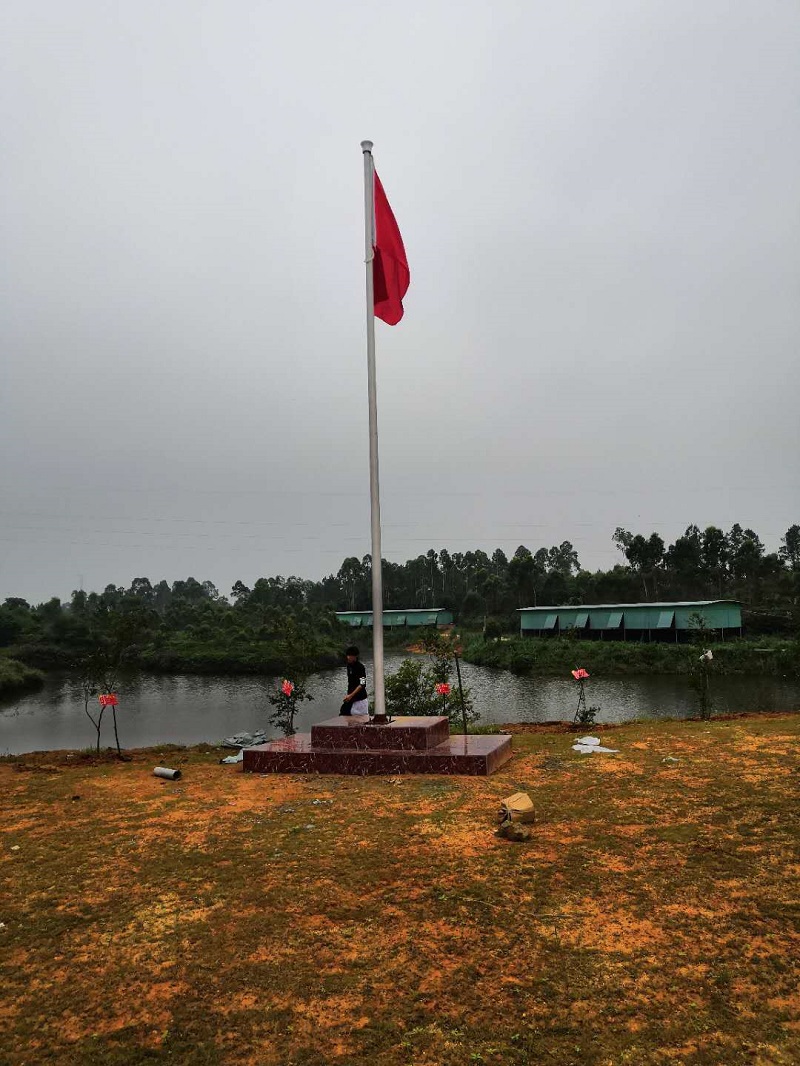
{"x": 633, "y": 621}
{"x": 433, "y": 616}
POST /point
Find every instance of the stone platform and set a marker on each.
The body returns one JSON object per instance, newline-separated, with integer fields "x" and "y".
{"x": 405, "y": 745}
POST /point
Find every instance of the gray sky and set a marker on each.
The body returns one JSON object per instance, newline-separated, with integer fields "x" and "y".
{"x": 599, "y": 204}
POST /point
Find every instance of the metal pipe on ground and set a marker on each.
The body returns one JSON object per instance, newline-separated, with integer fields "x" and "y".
{"x": 164, "y": 771}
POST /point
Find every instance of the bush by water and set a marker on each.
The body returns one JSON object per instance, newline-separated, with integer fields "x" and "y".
{"x": 548, "y": 656}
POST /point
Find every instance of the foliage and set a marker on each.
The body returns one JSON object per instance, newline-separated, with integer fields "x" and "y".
{"x": 185, "y": 627}
{"x": 16, "y": 677}
{"x": 700, "y": 633}
{"x": 412, "y": 689}
{"x": 285, "y": 701}
{"x": 90, "y": 684}
{"x": 767, "y": 655}
{"x": 97, "y": 674}
{"x": 189, "y": 626}
{"x": 586, "y": 716}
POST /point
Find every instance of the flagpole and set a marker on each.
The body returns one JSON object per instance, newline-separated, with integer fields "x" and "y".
{"x": 374, "y": 482}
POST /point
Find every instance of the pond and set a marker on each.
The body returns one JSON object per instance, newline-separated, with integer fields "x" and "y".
{"x": 185, "y": 709}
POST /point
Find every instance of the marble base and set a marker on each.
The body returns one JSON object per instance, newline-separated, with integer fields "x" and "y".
{"x": 405, "y": 746}
{"x": 357, "y": 732}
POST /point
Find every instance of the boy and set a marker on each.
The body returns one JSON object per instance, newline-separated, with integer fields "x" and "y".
{"x": 355, "y": 702}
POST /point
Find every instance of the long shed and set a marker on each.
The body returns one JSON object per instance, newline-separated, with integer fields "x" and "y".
{"x": 423, "y": 616}
{"x": 633, "y": 621}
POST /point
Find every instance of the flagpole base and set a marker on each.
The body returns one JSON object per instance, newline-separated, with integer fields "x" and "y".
{"x": 379, "y": 719}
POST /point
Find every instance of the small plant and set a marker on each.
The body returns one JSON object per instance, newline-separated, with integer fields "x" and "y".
{"x": 700, "y": 633}
{"x": 97, "y": 680}
{"x": 416, "y": 690}
{"x": 409, "y": 690}
{"x": 443, "y": 690}
{"x": 586, "y": 716}
{"x": 285, "y": 700}
{"x": 699, "y": 676}
{"x": 108, "y": 699}
{"x": 583, "y": 715}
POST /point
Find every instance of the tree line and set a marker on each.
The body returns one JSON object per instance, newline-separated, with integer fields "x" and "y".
{"x": 701, "y": 564}
{"x": 190, "y": 625}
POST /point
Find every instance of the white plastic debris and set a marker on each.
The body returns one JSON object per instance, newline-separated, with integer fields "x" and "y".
{"x": 588, "y": 745}
{"x": 234, "y": 758}
{"x": 245, "y": 740}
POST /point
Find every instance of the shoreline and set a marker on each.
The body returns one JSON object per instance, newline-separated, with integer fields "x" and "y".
{"x": 83, "y": 757}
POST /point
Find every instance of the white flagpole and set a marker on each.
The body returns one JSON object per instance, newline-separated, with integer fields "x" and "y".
{"x": 374, "y": 483}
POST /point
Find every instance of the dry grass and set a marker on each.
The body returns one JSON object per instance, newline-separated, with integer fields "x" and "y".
{"x": 229, "y": 918}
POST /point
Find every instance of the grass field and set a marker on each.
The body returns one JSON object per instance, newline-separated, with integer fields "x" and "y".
{"x": 229, "y": 918}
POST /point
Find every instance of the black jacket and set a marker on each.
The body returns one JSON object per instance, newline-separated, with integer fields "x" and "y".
{"x": 357, "y": 678}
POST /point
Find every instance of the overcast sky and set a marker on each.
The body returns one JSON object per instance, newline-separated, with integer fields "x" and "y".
{"x": 599, "y": 202}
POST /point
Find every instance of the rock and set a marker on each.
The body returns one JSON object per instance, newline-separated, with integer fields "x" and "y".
{"x": 514, "y": 831}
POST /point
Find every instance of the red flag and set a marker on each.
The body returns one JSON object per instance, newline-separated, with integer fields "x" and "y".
{"x": 390, "y": 267}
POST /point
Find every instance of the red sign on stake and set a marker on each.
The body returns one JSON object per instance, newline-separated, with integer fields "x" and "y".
{"x": 109, "y": 700}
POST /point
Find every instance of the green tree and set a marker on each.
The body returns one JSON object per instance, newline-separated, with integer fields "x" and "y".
{"x": 240, "y": 593}
{"x": 715, "y": 558}
{"x": 12, "y": 625}
{"x": 789, "y": 551}
{"x": 143, "y": 590}
{"x": 684, "y": 559}
{"x": 564, "y": 559}
{"x": 520, "y": 574}
{"x": 350, "y": 577}
{"x": 645, "y": 556}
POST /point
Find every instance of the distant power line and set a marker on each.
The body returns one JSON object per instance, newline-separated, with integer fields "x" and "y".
{"x": 264, "y": 492}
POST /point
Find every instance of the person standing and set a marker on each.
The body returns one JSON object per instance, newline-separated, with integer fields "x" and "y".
{"x": 355, "y": 702}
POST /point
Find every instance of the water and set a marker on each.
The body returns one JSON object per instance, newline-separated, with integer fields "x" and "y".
{"x": 188, "y": 710}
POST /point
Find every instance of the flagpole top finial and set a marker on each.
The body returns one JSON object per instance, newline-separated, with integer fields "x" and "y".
{"x": 366, "y": 146}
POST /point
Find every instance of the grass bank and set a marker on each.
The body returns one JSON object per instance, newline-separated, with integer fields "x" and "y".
{"x": 17, "y": 677}
{"x": 229, "y": 918}
{"x": 546, "y": 656}
{"x": 185, "y": 655}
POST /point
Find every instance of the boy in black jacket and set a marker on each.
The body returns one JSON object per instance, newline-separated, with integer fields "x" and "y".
{"x": 355, "y": 702}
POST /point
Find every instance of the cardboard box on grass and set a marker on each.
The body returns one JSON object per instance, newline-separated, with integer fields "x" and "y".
{"x": 517, "y": 808}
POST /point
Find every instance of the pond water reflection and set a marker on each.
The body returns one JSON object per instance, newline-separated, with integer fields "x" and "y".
{"x": 185, "y": 709}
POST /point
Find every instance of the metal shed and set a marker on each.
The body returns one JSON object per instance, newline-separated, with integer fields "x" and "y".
{"x": 433, "y": 616}
{"x": 633, "y": 621}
